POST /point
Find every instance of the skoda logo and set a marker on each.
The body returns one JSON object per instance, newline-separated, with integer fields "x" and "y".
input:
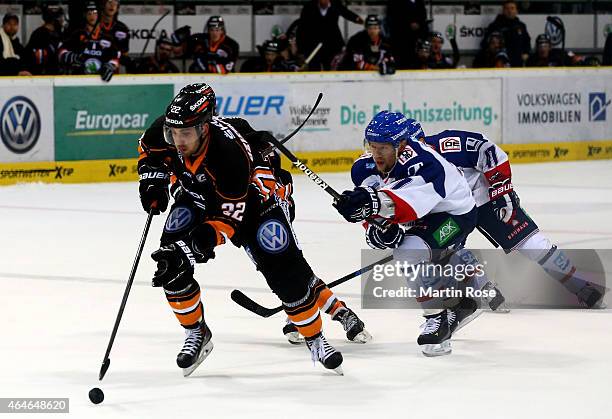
{"x": 273, "y": 237}
{"x": 20, "y": 125}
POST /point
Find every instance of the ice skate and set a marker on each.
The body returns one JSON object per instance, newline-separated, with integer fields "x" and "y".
{"x": 292, "y": 334}
{"x": 197, "y": 347}
{"x": 326, "y": 354}
{"x": 434, "y": 340}
{"x": 590, "y": 297}
{"x": 463, "y": 313}
{"x": 496, "y": 304}
{"x": 353, "y": 326}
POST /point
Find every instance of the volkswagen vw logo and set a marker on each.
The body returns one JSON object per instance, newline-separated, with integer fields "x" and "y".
{"x": 20, "y": 125}
{"x": 272, "y": 236}
{"x": 554, "y": 32}
{"x": 179, "y": 219}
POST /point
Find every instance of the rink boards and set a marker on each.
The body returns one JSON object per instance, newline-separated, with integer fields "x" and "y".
{"x": 78, "y": 129}
{"x": 121, "y": 170}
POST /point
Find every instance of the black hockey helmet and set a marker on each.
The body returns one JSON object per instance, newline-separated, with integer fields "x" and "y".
{"x": 193, "y": 106}
{"x": 215, "y": 22}
{"x": 52, "y": 13}
{"x": 436, "y": 35}
{"x": 543, "y": 39}
{"x": 423, "y": 45}
{"x": 372, "y": 20}
{"x": 271, "y": 45}
{"x": 91, "y": 6}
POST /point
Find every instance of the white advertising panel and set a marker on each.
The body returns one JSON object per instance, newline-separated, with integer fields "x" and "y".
{"x": 470, "y": 29}
{"x": 26, "y": 121}
{"x": 140, "y": 21}
{"x": 552, "y": 109}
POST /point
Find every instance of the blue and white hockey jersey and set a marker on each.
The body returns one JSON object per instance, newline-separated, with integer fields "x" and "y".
{"x": 421, "y": 182}
{"x": 481, "y": 160}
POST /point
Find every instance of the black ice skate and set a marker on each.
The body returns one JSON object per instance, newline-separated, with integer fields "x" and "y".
{"x": 496, "y": 304}
{"x": 353, "y": 326}
{"x": 463, "y": 313}
{"x": 197, "y": 347}
{"x": 434, "y": 340}
{"x": 292, "y": 334}
{"x": 590, "y": 297}
{"x": 326, "y": 354}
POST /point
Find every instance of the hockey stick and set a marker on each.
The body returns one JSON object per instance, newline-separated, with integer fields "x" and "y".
{"x": 106, "y": 361}
{"x": 242, "y": 300}
{"x": 151, "y": 33}
{"x": 295, "y": 131}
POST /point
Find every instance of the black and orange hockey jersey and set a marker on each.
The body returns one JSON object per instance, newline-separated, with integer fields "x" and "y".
{"x": 235, "y": 164}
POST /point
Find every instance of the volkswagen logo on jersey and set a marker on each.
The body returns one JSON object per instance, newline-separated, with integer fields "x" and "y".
{"x": 20, "y": 125}
{"x": 179, "y": 219}
{"x": 272, "y": 236}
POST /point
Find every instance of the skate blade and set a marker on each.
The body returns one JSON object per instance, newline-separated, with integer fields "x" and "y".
{"x": 294, "y": 338}
{"x": 206, "y": 350}
{"x": 362, "y": 337}
{"x": 437, "y": 349}
{"x": 500, "y": 310}
{"x": 338, "y": 370}
{"x": 468, "y": 320}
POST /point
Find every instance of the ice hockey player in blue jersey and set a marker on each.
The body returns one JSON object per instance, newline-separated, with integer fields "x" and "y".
{"x": 501, "y": 219}
{"x": 426, "y": 206}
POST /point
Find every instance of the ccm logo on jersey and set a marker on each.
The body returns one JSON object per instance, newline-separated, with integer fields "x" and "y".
{"x": 450, "y": 145}
{"x": 502, "y": 190}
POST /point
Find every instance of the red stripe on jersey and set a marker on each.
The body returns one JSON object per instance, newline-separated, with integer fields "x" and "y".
{"x": 403, "y": 211}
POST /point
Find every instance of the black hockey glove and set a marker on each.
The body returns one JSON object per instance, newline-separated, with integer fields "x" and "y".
{"x": 106, "y": 72}
{"x": 177, "y": 260}
{"x": 153, "y": 188}
{"x": 196, "y": 189}
{"x": 358, "y": 204}
{"x": 388, "y": 237}
{"x": 504, "y": 201}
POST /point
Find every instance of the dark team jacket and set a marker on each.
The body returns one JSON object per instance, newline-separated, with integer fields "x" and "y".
{"x": 235, "y": 169}
{"x": 118, "y": 33}
{"x": 41, "y": 52}
{"x": 361, "y": 54}
{"x": 94, "y": 48}
{"x": 218, "y": 58}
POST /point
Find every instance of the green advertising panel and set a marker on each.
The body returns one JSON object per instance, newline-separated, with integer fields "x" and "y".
{"x": 104, "y": 122}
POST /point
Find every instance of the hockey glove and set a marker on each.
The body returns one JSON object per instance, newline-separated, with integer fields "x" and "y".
{"x": 177, "y": 260}
{"x": 198, "y": 190}
{"x": 504, "y": 200}
{"x": 153, "y": 188}
{"x": 358, "y": 204}
{"x": 106, "y": 72}
{"x": 388, "y": 237}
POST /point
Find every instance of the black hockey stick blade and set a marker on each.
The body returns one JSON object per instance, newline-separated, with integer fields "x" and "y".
{"x": 104, "y": 368}
{"x": 242, "y": 300}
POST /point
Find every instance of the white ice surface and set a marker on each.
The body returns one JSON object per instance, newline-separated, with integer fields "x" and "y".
{"x": 66, "y": 251}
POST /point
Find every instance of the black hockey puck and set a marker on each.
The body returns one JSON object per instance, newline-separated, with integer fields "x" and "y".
{"x": 96, "y": 395}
